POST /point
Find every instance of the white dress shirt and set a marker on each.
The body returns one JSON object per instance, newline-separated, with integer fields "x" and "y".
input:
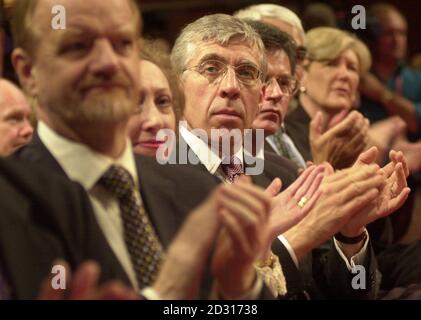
{"x": 86, "y": 166}
{"x": 209, "y": 157}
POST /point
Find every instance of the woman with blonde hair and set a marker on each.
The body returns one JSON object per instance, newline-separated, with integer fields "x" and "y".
{"x": 336, "y": 62}
{"x": 328, "y": 91}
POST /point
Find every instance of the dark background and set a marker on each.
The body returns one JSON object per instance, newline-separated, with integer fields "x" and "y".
{"x": 165, "y": 18}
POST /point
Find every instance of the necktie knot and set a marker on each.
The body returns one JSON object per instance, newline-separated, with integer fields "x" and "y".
{"x": 232, "y": 167}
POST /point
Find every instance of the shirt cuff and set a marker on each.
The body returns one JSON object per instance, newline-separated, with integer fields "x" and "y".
{"x": 251, "y": 294}
{"x": 150, "y": 294}
{"x": 358, "y": 258}
{"x": 273, "y": 276}
{"x": 290, "y": 250}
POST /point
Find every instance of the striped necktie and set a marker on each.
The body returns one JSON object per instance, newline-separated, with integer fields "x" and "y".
{"x": 286, "y": 148}
{"x": 234, "y": 169}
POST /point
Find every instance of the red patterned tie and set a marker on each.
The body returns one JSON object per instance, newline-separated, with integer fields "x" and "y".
{"x": 234, "y": 169}
{"x": 145, "y": 250}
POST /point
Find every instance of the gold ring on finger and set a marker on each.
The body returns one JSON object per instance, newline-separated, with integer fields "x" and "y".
{"x": 302, "y": 202}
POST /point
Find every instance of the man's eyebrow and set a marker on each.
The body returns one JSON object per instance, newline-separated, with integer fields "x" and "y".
{"x": 285, "y": 74}
{"x": 88, "y": 31}
{"x": 247, "y": 61}
{"x": 212, "y": 56}
{"x": 13, "y": 114}
{"x": 71, "y": 33}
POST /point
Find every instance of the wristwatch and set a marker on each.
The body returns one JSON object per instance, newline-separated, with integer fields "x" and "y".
{"x": 351, "y": 240}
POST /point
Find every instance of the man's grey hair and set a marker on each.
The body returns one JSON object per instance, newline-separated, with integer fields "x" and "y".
{"x": 216, "y": 28}
{"x": 266, "y": 10}
{"x": 275, "y": 39}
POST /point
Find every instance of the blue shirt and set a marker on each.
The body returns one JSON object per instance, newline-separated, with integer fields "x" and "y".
{"x": 404, "y": 81}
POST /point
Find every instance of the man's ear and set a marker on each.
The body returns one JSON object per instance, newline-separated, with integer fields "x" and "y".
{"x": 24, "y": 69}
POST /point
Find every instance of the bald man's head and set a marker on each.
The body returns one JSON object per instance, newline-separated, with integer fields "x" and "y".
{"x": 15, "y": 128}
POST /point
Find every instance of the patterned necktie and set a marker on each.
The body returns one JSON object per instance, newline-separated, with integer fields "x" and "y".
{"x": 4, "y": 287}
{"x": 286, "y": 148}
{"x": 145, "y": 250}
{"x": 234, "y": 169}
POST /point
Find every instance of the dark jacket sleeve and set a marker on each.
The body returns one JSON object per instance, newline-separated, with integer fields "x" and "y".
{"x": 334, "y": 279}
{"x": 323, "y": 273}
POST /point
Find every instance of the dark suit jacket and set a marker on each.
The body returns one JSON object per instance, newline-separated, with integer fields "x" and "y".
{"x": 323, "y": 273}
{"x": 169, "y": 196}
{"x": 399, "y": 264}
{"x": 42, "y": 218}
{"x": 297, "y": 124}
{"x": 169, "y": 192}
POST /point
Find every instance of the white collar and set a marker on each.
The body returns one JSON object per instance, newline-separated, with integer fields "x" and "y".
{"x": 208, "y": 157}
{"x": 80, "y": 162}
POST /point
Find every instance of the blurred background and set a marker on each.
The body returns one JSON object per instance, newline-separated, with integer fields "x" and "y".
{"x": 163, "y": 19}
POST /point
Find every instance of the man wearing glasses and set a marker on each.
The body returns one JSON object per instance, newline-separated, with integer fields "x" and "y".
{"x": 281, "y": 85}
{"x": 324, "y": 144}
{"x": 284, "y": 20}
{"x": 285, "y": 64}
{"x": 221, "y": 63}
{"x": 222, "y": 80}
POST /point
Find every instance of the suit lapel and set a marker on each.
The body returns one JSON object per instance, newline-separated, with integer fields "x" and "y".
{"x": 158, "y": 195}
{"x": 260, "y": 180}
{"x": 18, "y": 246}
{"x": 157, "y": 192}
{"x": 268, "y": 147}
{"x": 37, "y": 152}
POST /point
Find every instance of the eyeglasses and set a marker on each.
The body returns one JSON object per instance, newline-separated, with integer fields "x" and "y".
{"x": 300, "y": 54}
{"x": 247, "y": 73}
{"x": 287, "y": 84}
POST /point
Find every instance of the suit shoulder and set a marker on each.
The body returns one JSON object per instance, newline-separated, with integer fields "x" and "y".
{"x": 280, "y": 161}
{"x": 277, "y": 166}
{"x": 39, "y": 182}
{"x": 174, "y": 171}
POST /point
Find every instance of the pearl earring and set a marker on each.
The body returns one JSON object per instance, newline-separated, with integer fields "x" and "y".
{"x": 303, "y": 89}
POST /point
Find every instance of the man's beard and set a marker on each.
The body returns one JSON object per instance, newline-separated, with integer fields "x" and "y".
{"x": 90, "y": 101}
{"x": 96, "y": 107}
